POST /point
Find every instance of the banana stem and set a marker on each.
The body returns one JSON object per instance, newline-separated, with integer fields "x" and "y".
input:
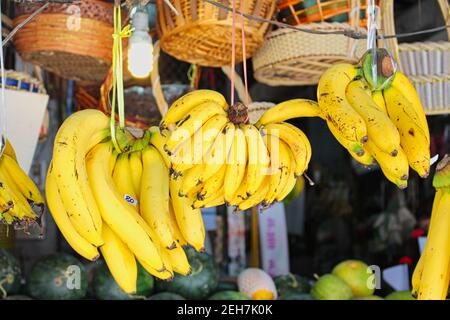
{"x": 238, "y": 113}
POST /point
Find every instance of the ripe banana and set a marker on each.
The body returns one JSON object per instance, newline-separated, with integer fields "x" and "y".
{"x": 123, "y": 180}
{"x": 162, "y": 275}
{"x": 188, "y": 219}
{"x": 295, "y": 108}
{"x": 192, "y": 151}
{"x": 213, "y": 184}
{"x": 377, "y": 97}
{"x": 291, "y": 180}
{"x": 214, "y": 200}
{"x": 9, "y": 150}
{"x": 21, "y": 208}
{"x": 155, "y": 196}
{"x": 258, "y": 159}
{"x": 334, "y": 106}
{"x": 380, "y": 128}
{"x": 70, "y": 148}
{"x": 211, "y": 162}
{"x": 257, "y": 197}
{"x": 413, "y": 138}
{"x": 179, "y": 261}
{"x": 175, "y": 229}
{"x": 158, "y": 141}
{"x": 395, "y": 169}
{"x": 59, "y": 213}
{"x": 236, "y": 163}
{"x": 402, "y": 84}
{"x": 120, "y": 260}
{"x": 115, "y": 211}
{"x": 356, "y": 149}
{"x": 180, "y": 108}
{"x": 191, "y": 123}
{"x": 26, "y": 186}
{"x": 135, "y": 167}
{"x": 296, "y": 140}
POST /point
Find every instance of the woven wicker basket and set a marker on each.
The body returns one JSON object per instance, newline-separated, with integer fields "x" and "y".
{"x": 292, "y": 58}
{"x": 71, "y": 40}
{"x": 427, "y": 64}
{"x": 201, "y": 34}
{"x": 297, "y": 12}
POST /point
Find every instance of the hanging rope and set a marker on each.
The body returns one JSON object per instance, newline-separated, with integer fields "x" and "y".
{"x": 233, "y": 52}
{"x": 117, "y": 69}
{"x": 244, "y": 53}
{"x": 2, "y": 94}
{"x": 372, "y": 37}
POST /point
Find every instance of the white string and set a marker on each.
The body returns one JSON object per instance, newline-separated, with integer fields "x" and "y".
{"x": 372, "y": 36}
{"x": 2, "y": 92}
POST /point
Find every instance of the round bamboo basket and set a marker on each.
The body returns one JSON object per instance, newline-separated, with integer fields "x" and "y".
{"x": 202, "y": 33}
{"x": 70, "y": 40}
{"x": 295, "y": 12}
{"x": 427, "y": 64}
{"x": 292, "y": 58}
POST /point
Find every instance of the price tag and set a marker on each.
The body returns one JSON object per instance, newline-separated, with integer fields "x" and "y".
{"x": 130, "y": 200}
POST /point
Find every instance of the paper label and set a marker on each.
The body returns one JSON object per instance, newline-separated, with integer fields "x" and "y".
{"x": 130, "y": 200}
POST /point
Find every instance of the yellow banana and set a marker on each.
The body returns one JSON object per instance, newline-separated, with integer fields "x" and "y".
{"x": 123, "y": 180}
{"x": 120, "y": 260}
{"x": 71, "y": 144}
{"x": 59, "y": 213}
{"x": 258, "y": 159}
{"x": 155, "y": 196}
{"x": 9, "y": 150}
{"x": 413, "y": 138}
{"x": 212, "y": 162}
{"x": 20, "y": 208}
{"x": 191, "y": 152}
{"x": 280, "y": 163}
{"x": 158, "y": 141}
{"x": 402, "y": 84}
{"x": 179, "y": 261}
{"x": 377, "y": 97}
{"x": 236, "y": 163}
{"x": 257, "y": 197}
{"x": 213, "y": 184}
{"x": 214, "y": 200}
{"x": 122, "y": 219}
{"x": 380, "y": 128}
{"x": 334, "y": 106}
{"x": 355, "y": 149}
{"x": 162, "y": 275}
{"x": 135, "y": 167}
{"x": 188, "y": 219}
{"x": 191, "y": 123}
{"x": 291, "y": 180}
{"x": 296, "y": 140}
{"x": 175, "y": 229}
{"x": 25, "y": 184}
{"x": 395, "y": 169}
{"x": 295, "y": 108}
{"x": 417, "y": 274}
{"x": 434, "y": 283}
{"x": 181, "y": 108}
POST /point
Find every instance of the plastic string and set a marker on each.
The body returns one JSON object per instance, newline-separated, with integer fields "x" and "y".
{"x": 372, "y": 37}
{"x": 117, "y": 74}
{"x": 3, "y": 100}
{"x": 244, "y": 53}
{"x": 233, "y": 52}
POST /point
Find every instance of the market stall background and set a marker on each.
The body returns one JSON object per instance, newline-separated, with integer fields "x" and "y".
{"x": 348, "y": 214}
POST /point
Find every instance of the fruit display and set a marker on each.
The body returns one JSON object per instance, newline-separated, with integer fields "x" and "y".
{"x": 10, "y": 274}
{"x": 202, "y": 281}
{"x": 257, "y": 284}
{"x": 112, "y": 197}
{"x": 357, "y": 275}
{"x": 21, "y": 201}
{"x": 106, "y": 288}
{"x": 331, "y": 287}
{"x": 377, "y": 120}
{"x": 430, "y": 280}
{"x": 57, "y": 277}
{"x": 218, "y": 157}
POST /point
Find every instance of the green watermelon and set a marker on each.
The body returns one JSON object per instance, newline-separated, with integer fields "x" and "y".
{"x": 400, "y": 295}
{"x": 200, "y": 283}
{"x": 10, "y": 273}
{"x": 331, "y": 287}
{"x": 291, "y": 282}
{"x": 106, "y": 288}
{"x": 228, "y": 295}
{"x": 226, "y": 285}
{"x": 166, "y": 296}
{"x": 57, "y": 277}
{"x": 355, "y": 274}
{"x": 295, "y": 295}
